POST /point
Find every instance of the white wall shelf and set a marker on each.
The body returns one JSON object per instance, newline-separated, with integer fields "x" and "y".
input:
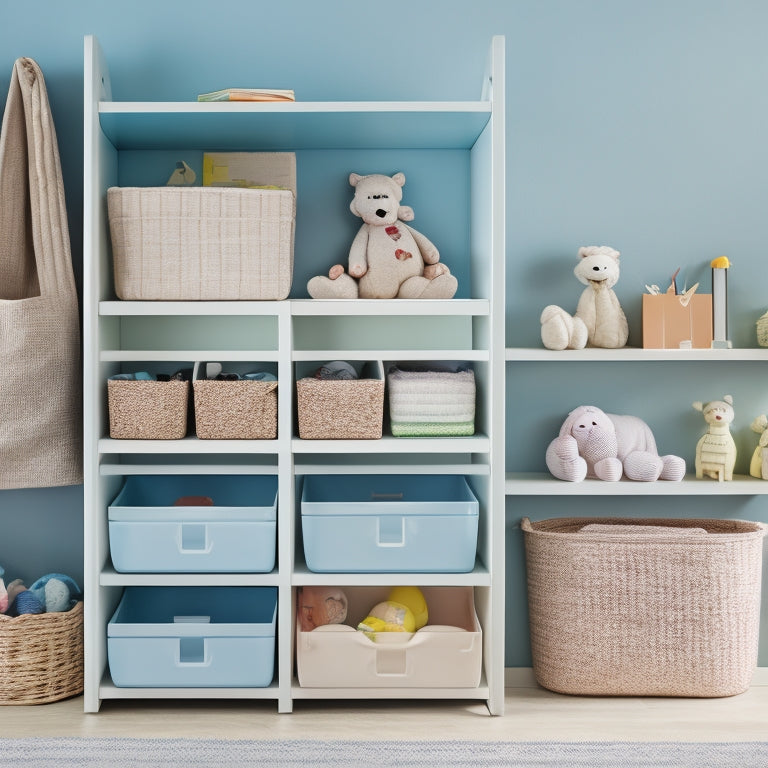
{"x": 543, "y": 484}
{"x": 290, "y": 335}
{"x": 634, "y": 354}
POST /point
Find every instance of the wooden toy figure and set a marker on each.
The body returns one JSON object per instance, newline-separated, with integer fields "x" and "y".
{"x": 716, "y": 450}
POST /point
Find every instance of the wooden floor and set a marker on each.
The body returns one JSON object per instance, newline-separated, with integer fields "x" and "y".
{"x": 532, "y": 714}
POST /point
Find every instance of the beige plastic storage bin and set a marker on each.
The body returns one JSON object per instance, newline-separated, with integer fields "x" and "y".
{"x": 648, "y": 607}
{"x": 447, "y": 653}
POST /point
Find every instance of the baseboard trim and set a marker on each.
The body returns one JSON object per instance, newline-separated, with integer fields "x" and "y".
{"x": 523, "y": 677}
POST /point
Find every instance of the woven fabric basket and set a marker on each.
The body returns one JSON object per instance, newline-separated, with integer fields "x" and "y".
{"x": 644, "y": 607}
{"x": 41, "y": 657}
{"x": 147, "y": 410}
{"x": 201, "y": 243}
{"x": 340, "y": 409}
{"x": 235, "y": 410}
{"x": 431, "y": 403}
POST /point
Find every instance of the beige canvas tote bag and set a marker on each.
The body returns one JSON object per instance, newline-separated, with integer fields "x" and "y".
{"x": 40, "y": 377}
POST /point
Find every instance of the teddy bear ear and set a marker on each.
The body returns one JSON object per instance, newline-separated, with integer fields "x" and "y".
{"x": 354, "y": 179}
{"x": 728, "y": 399}
{"x": 399, "y": 179}
{"x": 698, "y": 405}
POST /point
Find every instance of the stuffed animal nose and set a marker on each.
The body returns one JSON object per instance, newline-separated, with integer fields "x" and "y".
{"x": 381, "y": 213}
{"x": 596, "y": 269}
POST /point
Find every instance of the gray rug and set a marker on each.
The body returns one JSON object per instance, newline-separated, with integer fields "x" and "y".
{"x": 216, "y": 753}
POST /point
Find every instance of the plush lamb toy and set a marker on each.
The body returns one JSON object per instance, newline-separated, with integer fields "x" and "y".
{"x": 387, "y": 258}
{"x": 599, "y": 320}
{"x": 602, "y": 445}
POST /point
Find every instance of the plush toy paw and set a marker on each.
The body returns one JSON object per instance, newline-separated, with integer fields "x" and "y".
{"x": 644, "y": 466}
{"x": 563, "y": 460}
{"x": 674, "y": 468}
{"x": 341, "y": 287}
{"x": 444, "y": 286}
{"x": 561, "y": 331}
{"x": 609, "y": 469}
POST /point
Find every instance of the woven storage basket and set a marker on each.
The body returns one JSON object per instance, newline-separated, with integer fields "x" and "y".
{"x": 235, "y": 410}
{"x": 762, "y": 330}
{"x": 646, "y": 607}
{"x": 331, "y": 409}
{"x": 41, "y": 657}
{"x": 431, "y": 403}
{"x": 201, "y": 243}
{"x": 147, "y": 410}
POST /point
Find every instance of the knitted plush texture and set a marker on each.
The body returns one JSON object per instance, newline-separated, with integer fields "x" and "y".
{"x": 656, "y": 609}
{"x": 592, "y": 443}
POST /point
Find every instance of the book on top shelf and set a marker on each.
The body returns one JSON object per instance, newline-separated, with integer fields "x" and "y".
{"x": 248, "y": 94}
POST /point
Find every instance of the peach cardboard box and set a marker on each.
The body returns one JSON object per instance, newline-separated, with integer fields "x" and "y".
{"x": 674, "y": 321}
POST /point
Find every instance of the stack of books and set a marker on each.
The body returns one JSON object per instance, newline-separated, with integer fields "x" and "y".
{"x": 248, "y": 94}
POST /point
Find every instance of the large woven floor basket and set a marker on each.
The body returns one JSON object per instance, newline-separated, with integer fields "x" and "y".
{"x": 41, "y": 657}
{"x": 644, "y": 607}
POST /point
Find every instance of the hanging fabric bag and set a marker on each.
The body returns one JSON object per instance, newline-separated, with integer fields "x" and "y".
{"x": 40, "y": 378}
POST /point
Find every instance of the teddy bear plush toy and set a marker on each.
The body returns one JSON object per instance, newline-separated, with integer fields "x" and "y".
{"x": 602, "y": 445}
{"x": 599, "y": 320}
{"x": 387, "y": 259}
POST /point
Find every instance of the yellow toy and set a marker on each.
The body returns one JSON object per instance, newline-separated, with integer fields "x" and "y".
{"x": 404, "y": 611}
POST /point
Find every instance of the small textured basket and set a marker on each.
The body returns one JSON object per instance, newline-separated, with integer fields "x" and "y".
{"x": 235, "y": 410}
{"x": 41, "y": 657}
{"x": 201, "y": 243}
{"x": 147, "y": 410}
{"x": 340, "y": 409}
{"x": 762, "y": 330}
{"x": 431, "y": 403}
{"x": 650, "y": 608}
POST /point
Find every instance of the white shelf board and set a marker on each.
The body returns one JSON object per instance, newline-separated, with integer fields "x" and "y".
{"x": 171, "y": 355}
{"x": 108, "y": 690}
{"x": 472, "y": 355}
{"x": 479, "y": 577}
{"x": 235, "y": 465}
{"x": 390, "y": 307}
{"x": 187, "y": 445}
{"x": 388, "y": 444}
{"x": 543, "y": 484}
{"x": 630, "y": 354}
{"x": 109, "y": 577}
{"x": 298, "y": 692}
{"x": 417, "y": 466}
{"x": 191, "y": 308}
{"x": 293, "y": 125}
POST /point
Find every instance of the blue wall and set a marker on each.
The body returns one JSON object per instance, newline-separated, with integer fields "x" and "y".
{"x": 634, "y": 124}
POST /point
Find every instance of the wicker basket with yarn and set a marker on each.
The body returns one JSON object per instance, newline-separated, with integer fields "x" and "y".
{"x": 41, "y": 656}
{"x": 235, "y": 410}
{"x": 147, "y": 410}
{"x": 629, "y": 607}
{"x": 762, "y": 330}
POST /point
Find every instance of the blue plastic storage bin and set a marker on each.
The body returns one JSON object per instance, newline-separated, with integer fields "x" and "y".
{"x": 147, "y": 533}
{"x": 389, "y": 523}
{"x": 189, "y": 637}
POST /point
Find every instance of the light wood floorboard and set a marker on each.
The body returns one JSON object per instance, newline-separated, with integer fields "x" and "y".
{"x": 532, "y": 714}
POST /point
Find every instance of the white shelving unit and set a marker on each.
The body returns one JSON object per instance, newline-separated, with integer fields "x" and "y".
{"x": 543, "y": 484}
{"x": 128, "y": 334}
